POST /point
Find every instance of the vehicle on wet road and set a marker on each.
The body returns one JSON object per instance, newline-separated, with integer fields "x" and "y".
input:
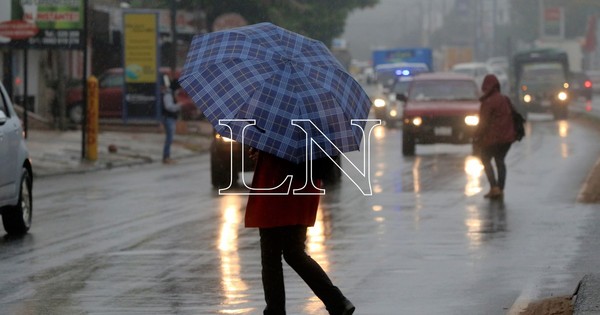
{"x": 541, "y": 79}
{"x": 16, "y": 179}
{"x": 440, "y": 108}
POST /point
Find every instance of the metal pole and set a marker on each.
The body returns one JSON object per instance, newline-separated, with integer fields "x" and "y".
{"x": 174, "y": 35}
{"x": 84, "y": 79}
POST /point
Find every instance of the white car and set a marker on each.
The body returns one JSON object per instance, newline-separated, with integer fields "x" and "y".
{"x": 16, "y": 178}
{"x": 476, "y": 70}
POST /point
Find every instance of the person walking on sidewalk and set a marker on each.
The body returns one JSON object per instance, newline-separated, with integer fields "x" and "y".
{"x": 170, "y": 114}
{"x": 494, "y": 134}
{"x": 283, "y": 221}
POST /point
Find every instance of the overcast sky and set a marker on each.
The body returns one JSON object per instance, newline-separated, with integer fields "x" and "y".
{"x": 375, "y": 27}
{"x": 390, "y": 24}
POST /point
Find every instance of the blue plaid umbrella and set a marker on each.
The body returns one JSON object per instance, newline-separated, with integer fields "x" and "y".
{"x": 271, "y": 75}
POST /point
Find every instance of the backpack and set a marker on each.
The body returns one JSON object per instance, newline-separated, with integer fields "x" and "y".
{"x": 518, "y": 121}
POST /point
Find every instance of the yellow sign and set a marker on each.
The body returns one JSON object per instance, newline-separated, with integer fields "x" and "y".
{"x": 141, "y": 44}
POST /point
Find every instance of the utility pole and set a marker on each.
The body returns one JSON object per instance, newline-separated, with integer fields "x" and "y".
{"x": 174, "y": 36}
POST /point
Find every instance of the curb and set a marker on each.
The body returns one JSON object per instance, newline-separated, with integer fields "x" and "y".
{"x": 587, "y": 300}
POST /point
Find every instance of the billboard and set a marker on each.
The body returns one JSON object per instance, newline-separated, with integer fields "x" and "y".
{"x": 47, "y": 23}
{"x": 140, "y": 44}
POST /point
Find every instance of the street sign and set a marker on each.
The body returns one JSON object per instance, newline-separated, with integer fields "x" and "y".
{"x": 18, "y": 29}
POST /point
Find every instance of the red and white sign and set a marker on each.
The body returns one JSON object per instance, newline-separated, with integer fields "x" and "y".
{"x": 18, "y": 29}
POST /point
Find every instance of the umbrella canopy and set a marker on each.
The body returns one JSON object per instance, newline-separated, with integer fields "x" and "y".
{"x": 265, "y": 73}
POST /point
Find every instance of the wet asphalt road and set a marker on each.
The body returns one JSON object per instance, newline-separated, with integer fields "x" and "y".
{"x": 158, "y": 240}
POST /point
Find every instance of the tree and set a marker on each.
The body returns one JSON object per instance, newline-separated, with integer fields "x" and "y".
{"x": 318, "y": 19}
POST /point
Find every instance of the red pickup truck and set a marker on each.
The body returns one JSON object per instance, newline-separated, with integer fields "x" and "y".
{"x": 111, "y": 97}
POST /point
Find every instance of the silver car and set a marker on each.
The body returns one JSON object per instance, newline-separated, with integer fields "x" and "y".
{"x": 16, "y": 178}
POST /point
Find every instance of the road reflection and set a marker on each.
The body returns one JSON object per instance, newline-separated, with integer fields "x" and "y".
{"x": 563, "y": 132}
{"x": 485, "y": 222}
{"x": 473, "y": 169}
{"x": 315, "y": 246}
{"x": 234, "y": 287}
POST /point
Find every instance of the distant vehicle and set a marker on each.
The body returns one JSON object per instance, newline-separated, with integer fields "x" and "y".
{"x": 111, "y": 97}
{"x": 386, "y": 76}
{"x": 226, "y": 163}
{"x": 580, "y": 86}
{"x": 477, "y": 70}
{"x": 595, "y": 78}
{"x": 440, "y": 108}
{"x": 394, "y": 107}
{"x": 498, "y": 62}
{"x": 16, "y": 176}
{"x": 403, "y": 54}
{"x": 541, "y": 77}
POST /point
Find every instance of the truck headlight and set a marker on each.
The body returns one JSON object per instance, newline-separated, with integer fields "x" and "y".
{"x": 562, "y": 96}
{"x": 472, "y": 120}
{"x": 379, "y": 102}
{"x": 527, "y": 98}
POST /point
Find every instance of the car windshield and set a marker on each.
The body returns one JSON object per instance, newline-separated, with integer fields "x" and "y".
{"x": 438, "y": 90}
{"x": 543, "y": 72}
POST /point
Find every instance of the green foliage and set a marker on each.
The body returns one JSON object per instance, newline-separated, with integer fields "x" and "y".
{"x": 320, "y": 19}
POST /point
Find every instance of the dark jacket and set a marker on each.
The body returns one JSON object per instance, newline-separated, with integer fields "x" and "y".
{"x": 264, "y": 211}
{"x": 495, "y": 115}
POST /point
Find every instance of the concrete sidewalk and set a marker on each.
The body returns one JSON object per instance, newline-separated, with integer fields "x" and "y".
{"x": 60, "y": 152}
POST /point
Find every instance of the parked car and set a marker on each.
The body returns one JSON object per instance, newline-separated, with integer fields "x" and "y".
{"x": 440, "y": 108}
{"x": 580, "y": 86}
{"x": 111, "y": 84}
{"x": 16, "y": 180}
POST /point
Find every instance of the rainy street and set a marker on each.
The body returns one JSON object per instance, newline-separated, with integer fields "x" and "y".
{"x": 159, "y": 240}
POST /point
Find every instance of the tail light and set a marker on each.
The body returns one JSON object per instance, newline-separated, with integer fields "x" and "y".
{"x": 587, "y": 84}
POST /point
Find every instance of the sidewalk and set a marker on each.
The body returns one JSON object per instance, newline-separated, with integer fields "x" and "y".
{"x": 59, "y": 152}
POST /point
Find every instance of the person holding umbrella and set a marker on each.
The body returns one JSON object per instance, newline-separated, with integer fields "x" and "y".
{"x": 282, "y": 221}
{"x": 282, "y": 94}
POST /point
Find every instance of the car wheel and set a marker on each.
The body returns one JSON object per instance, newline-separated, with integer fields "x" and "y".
{"x": 408, "y": 144}
{"x": 75, "y": 113}
{"x": 17, "y": 219}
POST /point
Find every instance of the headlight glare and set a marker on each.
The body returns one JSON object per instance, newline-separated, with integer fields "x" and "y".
{"x": 472, "y": 120}
{"x": 417, "y": 121}
{"x": 378, "y": 102}
{"x": 527, "y": 98}
{"x": 562, "y": 96}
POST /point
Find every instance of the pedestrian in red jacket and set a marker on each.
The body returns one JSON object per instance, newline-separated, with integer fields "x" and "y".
{"x": 282, "y": 221}
{"x": 495, "y": 134}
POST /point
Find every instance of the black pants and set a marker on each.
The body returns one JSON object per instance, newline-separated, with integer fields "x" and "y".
{"x": 289, "y": 241}
{"x": 497, "y": 152}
